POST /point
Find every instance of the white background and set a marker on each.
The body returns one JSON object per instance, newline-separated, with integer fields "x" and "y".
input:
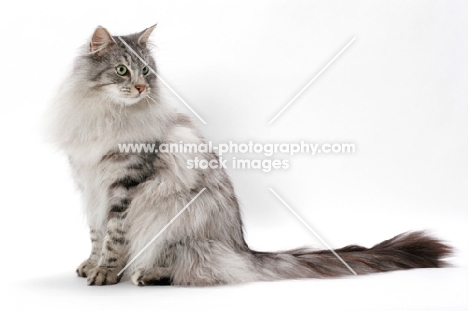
{"x": 399, "y": 93}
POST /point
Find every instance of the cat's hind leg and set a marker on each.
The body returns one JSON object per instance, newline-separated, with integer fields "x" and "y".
{"x": 156, "y": 276}
{"x": 160, "y": 273}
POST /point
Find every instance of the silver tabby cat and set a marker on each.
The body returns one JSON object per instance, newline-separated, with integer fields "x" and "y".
{"x": 111, "y": 97}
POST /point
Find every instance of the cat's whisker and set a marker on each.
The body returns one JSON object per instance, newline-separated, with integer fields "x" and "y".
{"x": 147, "y": 101}
{"x": 122, "y": 107}
{"x": 125, "y": 111}
{"x": 150, "y": 97}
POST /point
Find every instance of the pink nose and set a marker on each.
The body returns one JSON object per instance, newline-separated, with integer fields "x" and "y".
{"x": 140, "y": 87}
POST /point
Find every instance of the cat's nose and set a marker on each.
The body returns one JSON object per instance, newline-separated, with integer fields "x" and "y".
{"x": 140, "y": 88}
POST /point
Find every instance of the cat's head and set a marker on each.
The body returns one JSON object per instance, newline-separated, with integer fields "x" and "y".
{"x": 120, "y": 68}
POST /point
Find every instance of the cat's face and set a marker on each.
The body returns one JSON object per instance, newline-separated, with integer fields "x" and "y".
{"x": 116, "y": 72}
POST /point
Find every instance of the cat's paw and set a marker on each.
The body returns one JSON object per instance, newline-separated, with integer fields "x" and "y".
{"x": 84, "y": 268}
{"x": 103, "y": 276}
{"x": 155, "y": 277}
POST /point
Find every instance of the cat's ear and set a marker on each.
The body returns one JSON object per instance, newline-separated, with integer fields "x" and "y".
{"x": 100, "y": 40}
{"x": 145, "y": 34}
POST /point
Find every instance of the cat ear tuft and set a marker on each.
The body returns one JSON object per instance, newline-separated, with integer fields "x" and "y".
{"x": 145, "y": 34}
{"x": 100, "y": 40}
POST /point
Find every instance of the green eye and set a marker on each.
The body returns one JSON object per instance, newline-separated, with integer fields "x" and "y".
{"x": 121, "y": 70}
{"x": 145, "y": 70}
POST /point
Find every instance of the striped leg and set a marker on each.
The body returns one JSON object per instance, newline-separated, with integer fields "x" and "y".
{"x": 114, "y": 248}
{"x": 92, "y": 261}
{"x": 133, "y": 169}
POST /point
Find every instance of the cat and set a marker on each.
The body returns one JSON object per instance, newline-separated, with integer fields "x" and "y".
{"x": 112, "y": 97}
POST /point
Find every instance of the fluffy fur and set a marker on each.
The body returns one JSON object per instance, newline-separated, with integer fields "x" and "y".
{"x": 129, "y": 197}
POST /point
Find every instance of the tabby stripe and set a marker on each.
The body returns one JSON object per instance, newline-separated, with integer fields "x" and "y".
{"x": 119, "y": 208}
{"x": 104, "y": 282}
{"x": 121, "y": 232}
{"x": 128, "y": 182}
{"x": 136, "y": 166}
{"x": 118, "y": 240}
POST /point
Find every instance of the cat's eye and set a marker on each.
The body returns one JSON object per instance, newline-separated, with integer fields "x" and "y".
{"x": 145, "y": 70}
{"x": 121, "y": 70}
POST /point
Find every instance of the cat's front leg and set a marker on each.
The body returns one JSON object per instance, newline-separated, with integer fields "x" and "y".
{"x": 123, "y": 173}
{"x": 90, "y": 263}
{"x": 114, "y": 250}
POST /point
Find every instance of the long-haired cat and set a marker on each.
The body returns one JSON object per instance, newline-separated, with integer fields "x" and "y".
{"x": 111, "y": 97}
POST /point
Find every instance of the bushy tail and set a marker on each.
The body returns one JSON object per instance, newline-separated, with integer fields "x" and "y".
{"x": 405, "y": 251}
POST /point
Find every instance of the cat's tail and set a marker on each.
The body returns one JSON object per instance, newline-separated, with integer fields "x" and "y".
{"x": 405, "y": 251}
